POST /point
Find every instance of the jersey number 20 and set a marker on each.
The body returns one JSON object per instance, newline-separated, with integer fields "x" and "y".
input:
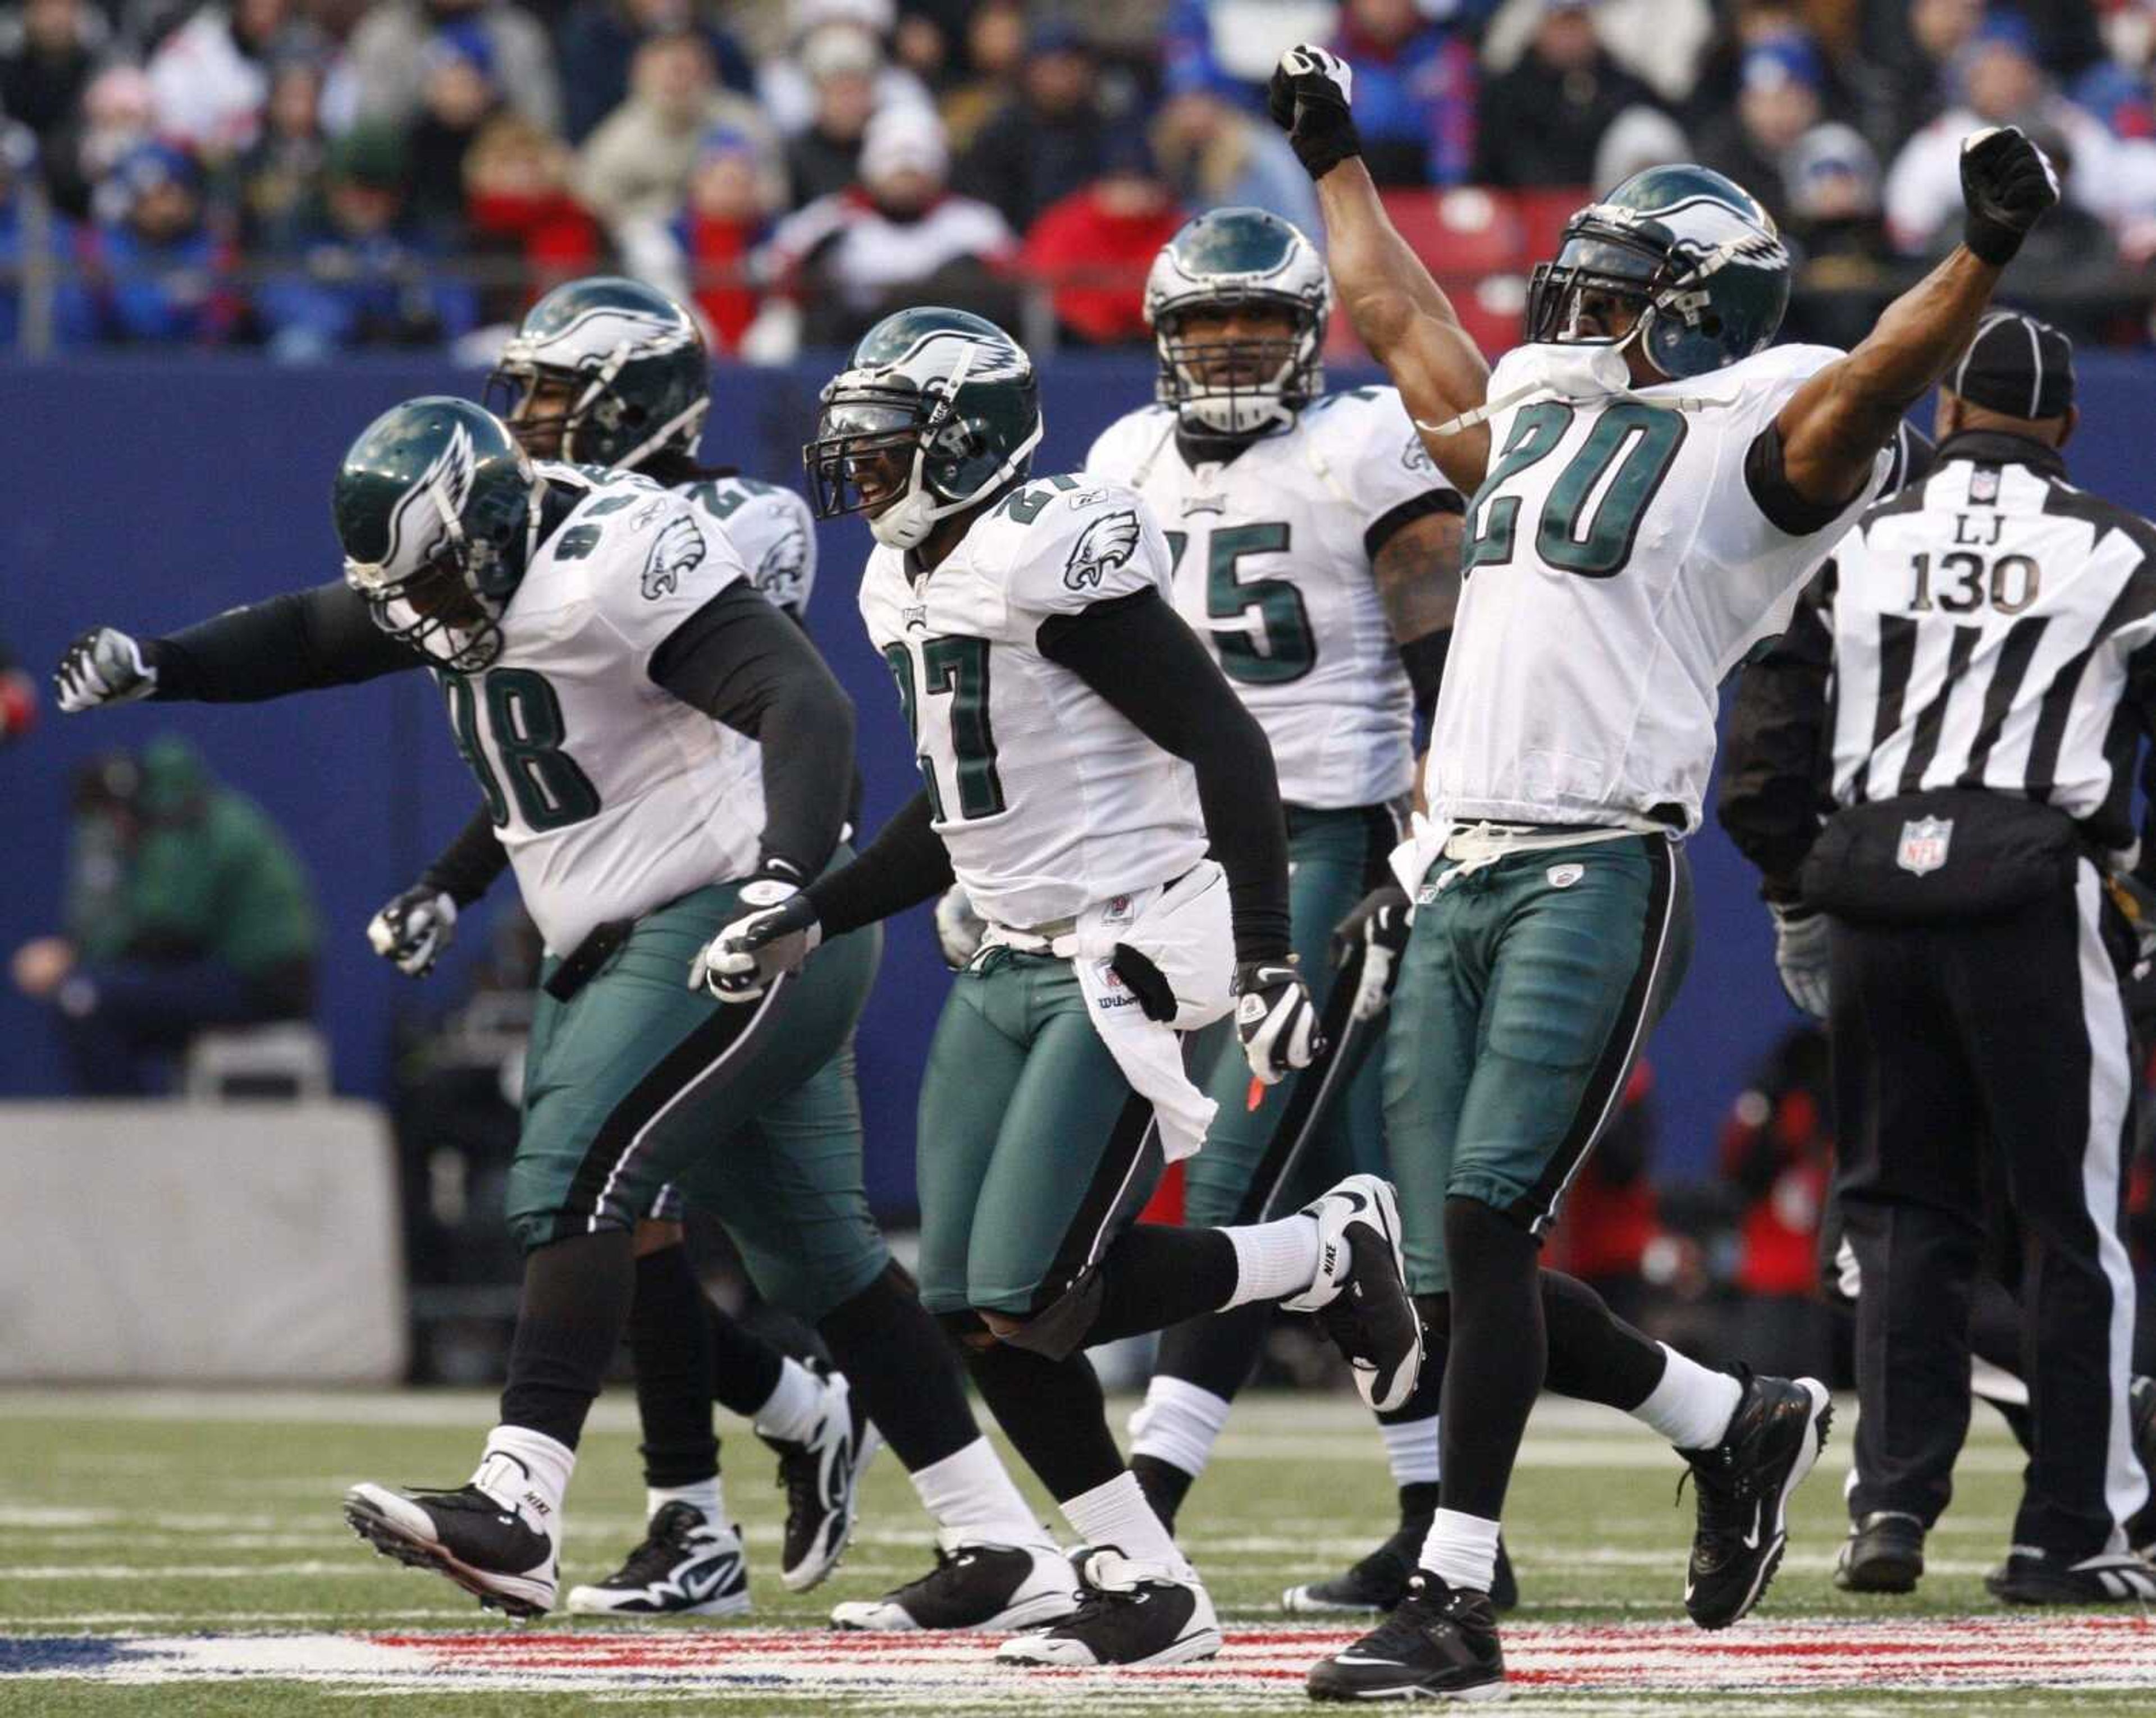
{"x": 1594, "y": 507}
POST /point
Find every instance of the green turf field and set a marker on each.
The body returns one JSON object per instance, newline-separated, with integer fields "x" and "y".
{"x": 144, "y": 1518}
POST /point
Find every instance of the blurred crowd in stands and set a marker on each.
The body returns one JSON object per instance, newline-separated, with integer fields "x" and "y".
{"x": 317, "y": 176}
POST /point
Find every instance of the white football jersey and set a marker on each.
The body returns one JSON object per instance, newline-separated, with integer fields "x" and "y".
{"x": 1272, "y": 572}
{"x": 1615, "y": 569}
{"x": 611, "y": 795}
{"x": 1047, "y": 798}
{"x": 773, "y": 528}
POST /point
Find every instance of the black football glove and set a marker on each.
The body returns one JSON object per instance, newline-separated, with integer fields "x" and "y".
{"x": 1276, "y": 1019}
{"x": 412, "y": 929}
{"x": 103, "y": 666}
{"x": 2007, "y": 186}
{"x": 1308, "y": 100}
{"x": 1378, "y": 927}
{"x": 754, "y": 953}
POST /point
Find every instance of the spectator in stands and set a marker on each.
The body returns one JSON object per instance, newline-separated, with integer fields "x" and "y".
{"x": 367, "y": 272}
{"x": 18, "y": 180}
{"x": 1844, "y": 274}
{"x": 523, "y": 218}
{"x": 389, "y": 47}
{"x": 1638, "y": 138}
{"x": 1093, "y": 248}
{"x": 18, "y": 698}
{"x": 1415, "y": 92}
{"x": 459, "y": 92}
{"x": 49, "y": 50}
{"x": 117, "y": 115}
{"x": 157, "y": 268}
{"x": 210, "y": 81}
{"x": 1215, "y": 154}
{"x": 2000, "y": 82}
{"x": 599, "y": 41}
{"x": 842, "y": 64}
{"x": 185, "y": 910}
{"x": 1900, "y": 72}
{"x": 995, "y": 50}
{"x": 782, "y": 84}
{"x": 1048, "y": 140}
{"x": 1778, "y": 1153}
{"x": 898, "y": 238}
{"x": 1541, "y": 121}
{"x": 1662, "y": 43}
{"x": 631, "y": 171}
{"x": 280, "y": 175}
{"x": 930, "y": 41}
{"x": 723, "y": 220}
{"x": 1778, "y": 99}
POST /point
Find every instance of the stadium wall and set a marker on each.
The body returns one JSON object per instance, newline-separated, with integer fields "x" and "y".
{"x": 146, "y": 493}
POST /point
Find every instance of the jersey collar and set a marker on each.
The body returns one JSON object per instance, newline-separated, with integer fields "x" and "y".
{"x": 1998, "y": 447}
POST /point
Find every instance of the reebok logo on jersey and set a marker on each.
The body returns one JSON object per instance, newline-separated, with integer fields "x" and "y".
{"x": 1107, "y": 544}
{"x": 680, "y": 549}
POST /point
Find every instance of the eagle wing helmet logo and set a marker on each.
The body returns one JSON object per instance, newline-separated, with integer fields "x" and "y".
{"x": 1107, "y": 544}
{"x": 445, "y": 486}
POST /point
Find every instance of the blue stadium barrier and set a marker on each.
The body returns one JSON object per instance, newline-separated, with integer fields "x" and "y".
{"x": 145, "y": 493}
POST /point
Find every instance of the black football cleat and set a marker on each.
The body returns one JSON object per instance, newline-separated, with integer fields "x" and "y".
{"x": 1129, "y": 1612}
{"x": 1361, "y": 1292}
{"x": 1883, "y": 1553}
{"x": 978, "y": 1585}
{"x": 821, "y": 1475}
{"x": 1743, "y": 1485}
{"x": 1440, "y": 1643}
{"x": 2033, "y": 1576}
{"x": 2141, "y": 1418}
{"x": 1379, "y": 1582}
{"x": 495, "y": 1553}
{"x": 687, "y": 1567}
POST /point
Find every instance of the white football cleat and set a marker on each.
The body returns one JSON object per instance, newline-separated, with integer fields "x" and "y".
{"x": 688, "y": 1566}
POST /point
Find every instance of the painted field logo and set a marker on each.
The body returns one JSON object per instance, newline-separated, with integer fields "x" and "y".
{"x": 745, "y": 1669}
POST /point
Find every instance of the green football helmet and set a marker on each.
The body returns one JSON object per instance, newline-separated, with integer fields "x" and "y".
{"x": 936, "y": 411}
{"x": 1694, "y": 253}
{"x": 1224, "y": 260}
{"x": 629, "y": 364}
{"x": 438, "y": 510}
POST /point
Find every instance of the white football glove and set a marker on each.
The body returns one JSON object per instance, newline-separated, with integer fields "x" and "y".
{"x": 412, "y": 931}
{"x": 102, "y": 666}
{"x": 744, "y": 959}
{"x": 1276, "y": 1019}
{"x": 1378, "y": 927}
{"x": 958, "y": 927}
{"x": 1800, "y": 956}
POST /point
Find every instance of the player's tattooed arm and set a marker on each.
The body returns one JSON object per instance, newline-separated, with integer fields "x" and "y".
{"x": 1417, "y": 572}
{"x": 1834, "y": 426}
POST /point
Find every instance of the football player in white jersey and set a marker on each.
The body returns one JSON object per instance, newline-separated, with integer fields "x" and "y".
{"x": 617, "y": 373}
{"x": 1651, "y": 486}
{"x": 1080, "y": 753}
{"x": 1316, "y": 552}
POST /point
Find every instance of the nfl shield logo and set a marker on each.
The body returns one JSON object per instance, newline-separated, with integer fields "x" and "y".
{"x": 1924, "y": 843}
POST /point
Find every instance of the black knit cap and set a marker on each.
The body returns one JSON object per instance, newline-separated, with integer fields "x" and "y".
{"x": 2015, "y": 364}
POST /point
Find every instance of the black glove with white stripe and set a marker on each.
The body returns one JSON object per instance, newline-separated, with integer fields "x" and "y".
{"x": 2008, "y": 186}
{"x": 103, "y": 666}
{"x": 1308, "y": 100}
{"x": 1275, "y": 1018}
{"x": 1378, "y": 927}
{"x": 412, "y": 929}
{"x": 754, "y": 953}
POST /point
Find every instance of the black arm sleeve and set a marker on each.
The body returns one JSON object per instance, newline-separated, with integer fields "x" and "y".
{"x": 1774, "y": 765}
{"x": 295, "y": 643}
{"x": 741, "y": 660}
{"x": 1424, "y": 662}
{"x": 467, "y": 867}
{"x": 906, "y": 864}
{"x": 1137, "y": 654}
{"x": 1767, "y": 477}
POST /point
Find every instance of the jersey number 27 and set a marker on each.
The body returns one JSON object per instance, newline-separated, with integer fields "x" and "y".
{"x": 956, "y": 668}
{"x": 1593, "y": 513}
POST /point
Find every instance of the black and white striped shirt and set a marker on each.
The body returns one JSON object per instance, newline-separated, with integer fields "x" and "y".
{"x": 1992, "y": 627}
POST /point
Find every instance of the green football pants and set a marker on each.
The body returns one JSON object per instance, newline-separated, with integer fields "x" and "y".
{"x": 1251, "y": 1167}
{"x": 750, "y": 1110}
{"x": 1526, "y": 993}
{"x": 1034, "y": 1153}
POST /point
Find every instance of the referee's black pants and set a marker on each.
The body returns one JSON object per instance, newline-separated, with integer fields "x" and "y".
{"x": 2008, "y": 1034}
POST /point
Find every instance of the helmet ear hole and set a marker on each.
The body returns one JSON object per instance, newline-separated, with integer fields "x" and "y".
{"x": 1711, "y": 326}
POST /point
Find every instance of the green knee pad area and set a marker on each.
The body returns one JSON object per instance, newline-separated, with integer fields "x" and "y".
{"x": 1526, "y": 991}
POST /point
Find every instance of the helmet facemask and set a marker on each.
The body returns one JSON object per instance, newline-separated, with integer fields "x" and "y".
{"x": 1617, "y": 267}
{"x": 1242, "y": 387}
{"x": 449, "y": 608}
{"x": 597, "y": 412}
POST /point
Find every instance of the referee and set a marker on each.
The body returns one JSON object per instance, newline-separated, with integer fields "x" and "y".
{"x": 1993, "y": 639}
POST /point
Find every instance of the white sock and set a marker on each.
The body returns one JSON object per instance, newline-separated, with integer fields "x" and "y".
{"x": 1177, "y": 1423}
{"x": 1461, "y": 1550}
{"x": 1117, "y": 1514}
{"x": 1411, "y": 1448}
{"x": 1692, "y": 1407}
{"x": 524, "y": 1470}
{"x": 704, "y": 1494}
{"x": 789, "y": 1412}
{"x": 971, "y": 1491}
{"x": 1273, "y": 1260}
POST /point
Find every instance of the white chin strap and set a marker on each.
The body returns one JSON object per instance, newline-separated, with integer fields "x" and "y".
{"x": 906, "y": 522}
